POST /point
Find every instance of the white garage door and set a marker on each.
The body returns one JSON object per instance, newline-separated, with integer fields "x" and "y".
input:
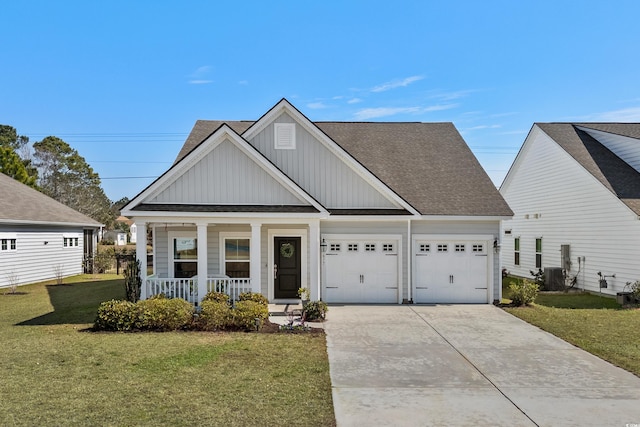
{"x": 450, "y": 271}
{"x": 358, "y": 270}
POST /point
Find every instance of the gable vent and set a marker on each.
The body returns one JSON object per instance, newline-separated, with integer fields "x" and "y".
{"x": 285, "y": 136}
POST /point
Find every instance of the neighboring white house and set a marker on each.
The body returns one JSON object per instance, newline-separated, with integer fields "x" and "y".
{"x": 575, "y": 192}
{"x": 40, "y": 237}
{"x": 356, "y": 212}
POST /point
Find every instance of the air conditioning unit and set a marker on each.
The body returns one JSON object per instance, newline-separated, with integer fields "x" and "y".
{"x": 553, "y": 279}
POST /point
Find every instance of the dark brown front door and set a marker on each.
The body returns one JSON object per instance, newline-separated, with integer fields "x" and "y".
{"x": 287, "y": 267}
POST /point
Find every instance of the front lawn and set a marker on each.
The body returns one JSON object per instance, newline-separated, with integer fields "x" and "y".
{"x": 54, "y": 372}
{"x": 594, "y": 323}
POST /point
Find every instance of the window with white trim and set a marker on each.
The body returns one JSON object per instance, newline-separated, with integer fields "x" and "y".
{"x": 387, "y": 247}
{"x": 237, "y": 257}
{"x": 184, "y": 256}
{"x": 516, "y": 251}
{"x": 370, "y": 247}
{"x": 443, "y": 247}
{"x": 425, "y": 247}
{"x": 352, "y": 247}
{"x": 8, "y": 245}
{"x": 284, "y": 136}
{"x": 539, "y": 252}
{"x": 334, "y": 247}
{"x": 70, "y": 242}
{"x": 459, "y": 247}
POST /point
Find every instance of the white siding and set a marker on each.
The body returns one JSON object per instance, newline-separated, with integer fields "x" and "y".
{"x": 319, "y": 171}
{"x": 35, "y": 261}
{"x": 628, "y": 149}
{"x": 226, "y": 175}
{"x": 566, "y": 205}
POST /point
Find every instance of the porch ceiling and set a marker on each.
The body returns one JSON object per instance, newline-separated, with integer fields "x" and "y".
{"x": 149, "y": 207}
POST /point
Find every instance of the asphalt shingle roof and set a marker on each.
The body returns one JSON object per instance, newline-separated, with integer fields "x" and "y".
{"x": 427, "y": 164}
{"x": 612, "y": 172}
{"x": 21, "y": 203}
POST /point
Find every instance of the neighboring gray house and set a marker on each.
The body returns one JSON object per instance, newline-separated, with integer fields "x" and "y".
{"x": 356, "y": 212}
{"x": 575, "y": 192}
{"x": 40, "y": 237}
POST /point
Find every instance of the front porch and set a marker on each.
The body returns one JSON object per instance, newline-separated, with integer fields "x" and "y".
{"x": 232, "y": 256}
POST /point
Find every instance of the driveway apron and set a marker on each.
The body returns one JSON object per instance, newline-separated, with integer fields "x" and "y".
{"x": 472, "y": 365}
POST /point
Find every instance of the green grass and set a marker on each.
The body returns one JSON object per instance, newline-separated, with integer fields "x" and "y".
{"x": 594, "y": 323}
{"x": 54, "y": 372}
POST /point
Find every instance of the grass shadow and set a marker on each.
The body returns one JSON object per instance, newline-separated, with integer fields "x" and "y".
{"x": 77, "y": 303}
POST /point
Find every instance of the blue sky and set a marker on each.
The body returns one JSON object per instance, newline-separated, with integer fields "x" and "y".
{"x": 123, "y": 82}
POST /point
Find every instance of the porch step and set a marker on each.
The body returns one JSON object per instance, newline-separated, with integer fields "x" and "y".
{"x": 283, "y": 309}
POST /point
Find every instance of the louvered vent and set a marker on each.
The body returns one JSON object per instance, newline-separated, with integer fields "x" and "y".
{"x": 285, "y": 136}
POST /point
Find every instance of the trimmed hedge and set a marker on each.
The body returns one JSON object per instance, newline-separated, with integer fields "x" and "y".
{"x": 160, "y": 313}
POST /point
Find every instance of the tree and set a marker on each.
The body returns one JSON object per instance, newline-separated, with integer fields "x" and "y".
{"x": 11, "y": 164}
{"x": 66, "y": 177}
{"x": 15, "y": 156}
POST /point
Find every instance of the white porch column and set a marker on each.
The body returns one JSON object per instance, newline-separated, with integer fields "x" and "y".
{"x": 256, "y": 259}
{"x": 202, "y": 259}
{"x": 141, "y": 255}
{"x": 314, "y": 260}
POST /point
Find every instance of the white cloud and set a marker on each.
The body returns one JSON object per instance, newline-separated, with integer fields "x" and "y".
{"x": 199, "y": 76}
{"x": 372, "y": 113}
{"x": 624, "y": 115}
{"x": 449, "y": 96}
{"x": 396, "y": 83}
{"x": 316, "y": 105}
{"x": 354, "y": 101}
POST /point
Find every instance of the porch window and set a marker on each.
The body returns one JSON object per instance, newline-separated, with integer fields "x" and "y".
{"x": 185, "y": 257}
{"x": 237, "y": 258}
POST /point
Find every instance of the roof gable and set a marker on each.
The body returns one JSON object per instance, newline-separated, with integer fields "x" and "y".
{"x": 31, "y": 206}
{"x": 606, "y": 167}
{"x": 223, "y": 170}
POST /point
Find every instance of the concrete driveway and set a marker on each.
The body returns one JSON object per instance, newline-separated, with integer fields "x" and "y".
{"x": 467, "y": 365}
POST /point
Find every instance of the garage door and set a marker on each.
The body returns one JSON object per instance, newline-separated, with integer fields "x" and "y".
{"x": 450, "y": 271}
{"x": 358, "y": 270}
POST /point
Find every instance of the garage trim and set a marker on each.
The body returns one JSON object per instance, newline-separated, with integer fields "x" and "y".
{"x": 487, "y": 238}
{"x": 393, "y": 237}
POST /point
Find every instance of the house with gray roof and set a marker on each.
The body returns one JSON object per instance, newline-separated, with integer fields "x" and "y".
{"x": 40, "y": 238}
{"x": 355, "y": 212}
{"x": 575, "y": 192}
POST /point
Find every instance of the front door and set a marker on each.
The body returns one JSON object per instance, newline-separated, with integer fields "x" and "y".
{"x": 287, "y": 267}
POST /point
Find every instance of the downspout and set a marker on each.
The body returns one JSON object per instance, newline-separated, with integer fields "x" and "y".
{"x": 409, "y": 284}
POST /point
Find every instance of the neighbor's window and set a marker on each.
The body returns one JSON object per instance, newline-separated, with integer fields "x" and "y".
{"x": 185, "y": 257}
{"x": 539, "y": 252}
{"x": 516, "y": 251}
{"x": 8, "y": 245}
{"x": 237, "y": 258}
{"x": 69, "y": 242}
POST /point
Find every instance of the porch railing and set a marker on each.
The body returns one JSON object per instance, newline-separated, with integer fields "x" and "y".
{"x": 231, "y": 287}
{"x": 187, "y": 289}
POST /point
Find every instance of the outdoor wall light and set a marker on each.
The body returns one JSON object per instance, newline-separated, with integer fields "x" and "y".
{"x": 496, "y": 245}
{"x": 323, "y": 246}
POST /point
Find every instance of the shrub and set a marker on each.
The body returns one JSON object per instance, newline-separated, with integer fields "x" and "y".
{"x": 246, "y": 312}
{"x": 164, "y": 314}
{"x": 216, "y": 297}
{"x": 523, "y": 293}
{"x": 116, "y": 315}
{"x": 315, "y": 310}
{"x": 255, "y": 297}
{"x": 214, "y": 315}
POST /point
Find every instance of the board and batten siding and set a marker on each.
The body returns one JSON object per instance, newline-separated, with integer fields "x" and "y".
{"x": 226, "y": 175}
{"x": 33, "y": 260}
{"x": 628, "y": 149}
{"x": 556, "y": 199}
{"x": 319, "y": 171}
